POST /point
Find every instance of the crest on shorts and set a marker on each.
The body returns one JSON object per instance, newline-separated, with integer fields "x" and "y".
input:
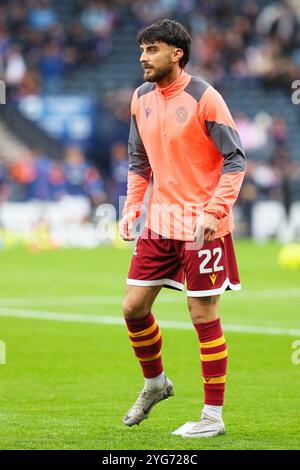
{"x": 181, "y": 114}
{"x": 213, "y": 278}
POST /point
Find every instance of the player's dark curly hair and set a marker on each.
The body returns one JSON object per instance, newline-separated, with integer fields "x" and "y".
{"x": 169, "y": 32}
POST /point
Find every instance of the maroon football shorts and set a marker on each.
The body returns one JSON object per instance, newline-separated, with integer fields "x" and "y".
{"x": 209, "y": 270}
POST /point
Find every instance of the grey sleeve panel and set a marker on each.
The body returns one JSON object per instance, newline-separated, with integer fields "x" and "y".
{"x": 228, "y": 142}
{"x": 196, "y": 88}
{"x": 145, "y": 88}
{"x": 138, "y": 161}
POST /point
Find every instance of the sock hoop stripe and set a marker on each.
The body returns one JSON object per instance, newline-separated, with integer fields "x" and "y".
{"x": 214, "y": 357}
{"x": 213, "y": 343}
{"x": 148, "y": 342}
{"x": 214, "y": 354}
{"x": 145, "y": 332}
{"x": 215, "y": 380}
{"x": 148, "y": 359}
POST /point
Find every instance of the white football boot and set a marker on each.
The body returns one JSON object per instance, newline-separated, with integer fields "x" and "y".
{"x": 145, "y": 402}
{"x": 208, "y": 426}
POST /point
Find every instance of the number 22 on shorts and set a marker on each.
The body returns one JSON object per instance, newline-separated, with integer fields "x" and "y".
{"x": 216, "y": 255}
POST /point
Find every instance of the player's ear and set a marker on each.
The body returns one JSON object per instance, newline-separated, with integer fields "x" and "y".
{"x": 177, "y": 54}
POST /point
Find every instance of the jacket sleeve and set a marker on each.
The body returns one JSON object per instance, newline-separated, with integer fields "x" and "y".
{"x": 139, "y": 169}
{"x": 221, "y": 128}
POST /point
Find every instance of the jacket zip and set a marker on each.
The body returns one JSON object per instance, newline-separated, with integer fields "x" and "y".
{"x": 164, "y": 130}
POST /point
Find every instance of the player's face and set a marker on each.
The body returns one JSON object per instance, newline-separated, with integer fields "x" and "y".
{"x": 157, "y": 60}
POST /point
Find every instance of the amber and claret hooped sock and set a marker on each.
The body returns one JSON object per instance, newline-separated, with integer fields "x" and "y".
{"x": 213, "y": 361}
{"x": 145, "y": 337}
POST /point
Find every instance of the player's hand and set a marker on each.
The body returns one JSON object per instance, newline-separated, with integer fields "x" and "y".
{"x": 126, "y": 227}
{"x": 206, "y": 228}
{"x": 210, "y": 227}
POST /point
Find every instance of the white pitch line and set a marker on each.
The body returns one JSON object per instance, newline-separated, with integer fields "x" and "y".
{"x": 162, "y": 298}
{"x": 269, "y": 294}
{"x": 78, "y": 300}
{"x": 110, "y": 320}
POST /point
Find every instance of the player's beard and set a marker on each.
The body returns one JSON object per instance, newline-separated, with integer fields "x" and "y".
{"x": 158, "y": 74}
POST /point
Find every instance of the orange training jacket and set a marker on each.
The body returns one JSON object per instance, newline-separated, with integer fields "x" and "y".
{"x": 183, "y": 137}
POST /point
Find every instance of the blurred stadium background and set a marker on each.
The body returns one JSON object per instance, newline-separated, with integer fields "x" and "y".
{"x": 70, "y": 68}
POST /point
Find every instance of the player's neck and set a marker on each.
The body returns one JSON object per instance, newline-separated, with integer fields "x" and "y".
{"x": 169, "y": 79}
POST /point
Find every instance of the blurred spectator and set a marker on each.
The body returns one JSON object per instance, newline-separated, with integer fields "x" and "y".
{"x": 148, "y": 12}
{"x": 75, "y": 167}
{"x": 278, "y": 130}
{"x": 276, "y": 19}
{"x": 51, "y": 66}
{"x": 278, "y": 180}
{"x": 30, "y": 176}
{"x": 40, "y": 187}
{"x": 267, "y": 181}
{"x": 15, "y": 67}
{"x": 98, "y": 18}
{"x": 254, "y": 133}
{"x": 36, "y": 177}
{"x": 246, "y": 130}
{"x": 17, "y": 17}
{"x": 94, "y": 187}
{"x": 70, "y": 59}
{"x": 119, "y": 168}
{"x": 41, "y": 16}
{"x": 247, "y": 198}
{"x": 78, "y": 40}
{"x": 4, "y": 46}
{"x": 57, "y": 181}
{"x": 23, "y": 174}
{"x": 285, "y": 169}
{"x": 4, "y": 183}
{"x": 114, "y": 127}
{"x": 29, "y": 85}
{"x": 82, "y": 178}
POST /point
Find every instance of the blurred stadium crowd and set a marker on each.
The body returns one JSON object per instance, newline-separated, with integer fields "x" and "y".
{"x": 244, "y": 48}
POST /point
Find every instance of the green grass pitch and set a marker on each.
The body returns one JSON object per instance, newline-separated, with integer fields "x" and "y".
{"x": 67, "y": 384}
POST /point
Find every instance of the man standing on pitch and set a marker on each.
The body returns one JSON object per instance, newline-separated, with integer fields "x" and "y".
{"x": 183, "y": 137}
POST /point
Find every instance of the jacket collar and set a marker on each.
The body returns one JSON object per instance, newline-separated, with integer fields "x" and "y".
{"x": 175, "y": 87}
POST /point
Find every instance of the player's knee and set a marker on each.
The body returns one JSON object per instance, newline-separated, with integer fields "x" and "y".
{"x": 132, "y": 308}
{"x": 203, "y": 309}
